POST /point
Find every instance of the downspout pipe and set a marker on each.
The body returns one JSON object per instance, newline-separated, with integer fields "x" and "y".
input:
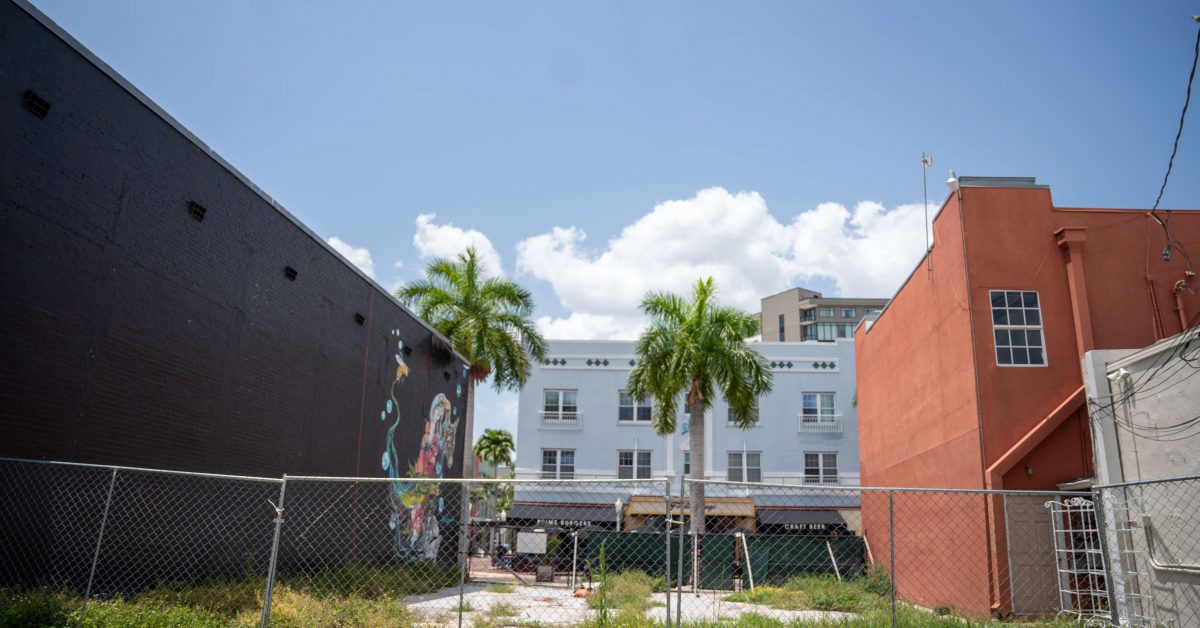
{"x": 1180, "y": 287}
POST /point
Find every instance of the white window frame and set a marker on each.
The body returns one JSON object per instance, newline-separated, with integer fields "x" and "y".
{"x": 820, "y": 415}
{"x": 729, "y": 415}
{"x": 742, "y": 466}
{"x": 559, "y": 413}
{"x": 1008, "y": 327}
{"x": 637, "y": 470}
{"x": 821, "y": 311}
{"x": 558, "y": 473}
{"x": 636, "y": 406}
{"x": 822, "y": 476}
{"x": 849, "y": 308}
{"x": 687, "y": 463}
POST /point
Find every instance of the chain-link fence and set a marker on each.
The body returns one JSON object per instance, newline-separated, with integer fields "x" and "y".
{"x": 434, "y": 552}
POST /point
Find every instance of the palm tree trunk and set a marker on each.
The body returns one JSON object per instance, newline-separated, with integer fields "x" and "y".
{"x": 696, "y": 444}
{"x": 468, "y": 465}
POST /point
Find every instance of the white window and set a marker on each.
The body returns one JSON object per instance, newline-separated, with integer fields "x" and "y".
{"x": 820, "y": 467}
{"x": 753, "y": 415}
{"x": 1017, "y": 323}
{"x": 817, "y": 407}
{"x": 687, "y": 463}
{"x": 745, "y": 466}
{"x": 849, "y": 312}
{"x": 558, "y": 464}
{"x": 630, "y": 409}
{"x": 627, "y": 470}
{"x": 825, "y": 312}
{"x": 560, "y": 405}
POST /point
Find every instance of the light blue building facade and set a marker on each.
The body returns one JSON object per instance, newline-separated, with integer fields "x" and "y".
{"x": 574, "y": 420}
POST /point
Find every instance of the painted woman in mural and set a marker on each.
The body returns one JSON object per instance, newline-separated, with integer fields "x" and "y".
{"x": 418, "y": 508}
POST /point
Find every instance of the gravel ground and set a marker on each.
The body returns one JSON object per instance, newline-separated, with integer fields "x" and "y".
{"x": 556, "y": 606}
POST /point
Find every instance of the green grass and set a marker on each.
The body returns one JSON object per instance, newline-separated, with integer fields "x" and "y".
{"x": 866, "y": 599}
{"x": 501, "y": 587}
{"x": 627, "y": 592}
{"x": 350, "y": 595}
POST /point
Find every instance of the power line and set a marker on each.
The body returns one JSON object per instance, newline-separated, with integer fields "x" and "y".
{"x": 1187, "y": 99}
{"x": 1172, "y": 243}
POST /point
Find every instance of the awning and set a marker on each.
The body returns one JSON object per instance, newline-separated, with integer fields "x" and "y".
{"x": 569, "y": 516}
{"x": 802, "y": 520}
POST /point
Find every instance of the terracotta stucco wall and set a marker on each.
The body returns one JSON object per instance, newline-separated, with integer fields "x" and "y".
{"x": 918, "y": 426}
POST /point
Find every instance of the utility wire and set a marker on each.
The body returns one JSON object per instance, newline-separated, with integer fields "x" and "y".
{"x": 1187, "y": 99}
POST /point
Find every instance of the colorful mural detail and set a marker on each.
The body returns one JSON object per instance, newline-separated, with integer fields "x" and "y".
{"x": 418, "y": 510}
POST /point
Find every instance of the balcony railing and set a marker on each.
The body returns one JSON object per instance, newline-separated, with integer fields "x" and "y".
{"x": 821, "y": 423}
{"x": 560, "y": 420}
{"x": 823, "y": 480}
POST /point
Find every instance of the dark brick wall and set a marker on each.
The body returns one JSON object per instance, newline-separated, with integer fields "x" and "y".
{"x": 132, "y": 334}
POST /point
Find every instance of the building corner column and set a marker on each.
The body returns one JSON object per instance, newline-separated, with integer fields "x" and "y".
{"x": 1071, "y": 241}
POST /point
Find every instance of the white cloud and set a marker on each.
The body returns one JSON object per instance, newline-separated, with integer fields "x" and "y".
{"x": 360, "y": 257}
{"x": 434, "y": 240}
{"x": 585, "y": 326}
{"x": 398, "y": 264}
{"x": 734, "y": 238}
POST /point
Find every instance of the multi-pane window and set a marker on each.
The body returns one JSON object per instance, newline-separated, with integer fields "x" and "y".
{"x": 781, "y": 328}
{"x": 630, "y": 409}
{"x": 627, "y": 470}
{"x": 817, "y": 407}
{"x": 687, "y": 463}
{"x": 808, "y": 315}
{"x": 826, "y": 312}
{"x": 820, "y": 467}
{"x": 560, "y": 405}
{"x": 753, "y": 414}
{"x": 1017, "y": 323}
{"x": 828, "y": 332}
{"x": 849, "y": 312}
{"x": 558, "y": 464}
{"x": 745, "y": 466}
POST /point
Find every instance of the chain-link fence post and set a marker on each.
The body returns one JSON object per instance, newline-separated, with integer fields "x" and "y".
{"x": 87, "y": 594}
{"x": 464, "y": 544}
{"x": 679, "y": 557}
{"x": 667, "y": 547}
{"x": 1102, "y": 532}
{"x": 892, "y": 550}
{"x": 266, "y": 613}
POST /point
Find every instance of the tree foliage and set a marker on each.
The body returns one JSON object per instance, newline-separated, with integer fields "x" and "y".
{"x": 489, "y": 320}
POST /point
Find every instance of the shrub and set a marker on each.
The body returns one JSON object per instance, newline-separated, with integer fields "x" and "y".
{"x": 875, "y": 581}
{"x": 34, "y": 608}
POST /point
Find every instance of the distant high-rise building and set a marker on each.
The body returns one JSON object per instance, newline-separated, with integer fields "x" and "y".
{"x": 799, "y": 315}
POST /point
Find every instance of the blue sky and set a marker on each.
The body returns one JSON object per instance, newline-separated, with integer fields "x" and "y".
{"x": 579, "y": 142}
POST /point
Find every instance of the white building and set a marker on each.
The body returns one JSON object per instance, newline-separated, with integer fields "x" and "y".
{"x": 575, "y": 421}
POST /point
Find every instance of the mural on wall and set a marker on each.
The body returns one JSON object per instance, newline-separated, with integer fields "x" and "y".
{"x": 418, "y": 508}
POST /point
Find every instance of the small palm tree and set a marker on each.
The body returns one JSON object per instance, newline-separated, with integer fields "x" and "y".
{"x": 693, "y": 348}
{"x": 495, "y": 447}
{"x": 487, "y": 319}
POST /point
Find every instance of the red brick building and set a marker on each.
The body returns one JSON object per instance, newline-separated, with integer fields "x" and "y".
{"x": 971, "y": 378}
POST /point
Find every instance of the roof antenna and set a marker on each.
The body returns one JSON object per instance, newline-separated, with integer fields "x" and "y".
{"x": 926, "y": 162}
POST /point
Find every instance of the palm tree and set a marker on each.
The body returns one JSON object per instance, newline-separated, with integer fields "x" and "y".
{"x": 693, "y": 348}
{"x": 495, "y": 447}
{"x": 487, "y": 319}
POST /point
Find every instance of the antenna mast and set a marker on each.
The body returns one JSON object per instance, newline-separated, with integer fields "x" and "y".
{"x": 926, "y": 162}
